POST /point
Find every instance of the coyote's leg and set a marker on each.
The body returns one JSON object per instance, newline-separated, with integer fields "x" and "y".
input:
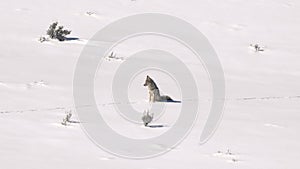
{"x": 151, "y": 97}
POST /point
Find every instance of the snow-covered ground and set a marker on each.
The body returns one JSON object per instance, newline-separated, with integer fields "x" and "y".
{"x": 260, "y": 125}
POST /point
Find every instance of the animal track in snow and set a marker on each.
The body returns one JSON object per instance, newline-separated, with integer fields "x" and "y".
{"x": 272, "y": 125}
{"x": 286, "y": 4}
{"x": 236, "y": 27}
{"x": 35, "y": 84}
{"x": 22, "y": 10}
{"x": 23, "y": 86}
{"x": 267, "y": 98}
{"x": 228, "y": 156}
{"x": 13, "y": 85}
{"x": 232, "y": 27}
{"x": 106, "y": 158}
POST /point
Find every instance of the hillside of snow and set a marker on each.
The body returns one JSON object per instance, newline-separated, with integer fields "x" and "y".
{"x": 260, "y": 121}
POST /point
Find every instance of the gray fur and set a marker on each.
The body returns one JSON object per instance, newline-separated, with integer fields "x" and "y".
{"x": 154, "y": 93}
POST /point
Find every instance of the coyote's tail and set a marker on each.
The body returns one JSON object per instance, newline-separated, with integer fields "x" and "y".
{"x": 169, "y": 99}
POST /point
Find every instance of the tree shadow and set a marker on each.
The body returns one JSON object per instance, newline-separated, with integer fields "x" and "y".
{"x": 156, "y": 125}
{"x": 72, "y": 121}
{"x": 71, "y": 38}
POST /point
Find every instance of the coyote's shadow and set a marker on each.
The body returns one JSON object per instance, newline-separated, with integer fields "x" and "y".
{"x": 170, "y": 101}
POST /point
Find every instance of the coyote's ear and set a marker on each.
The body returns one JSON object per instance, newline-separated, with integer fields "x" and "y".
{"x": 148, "y": 77}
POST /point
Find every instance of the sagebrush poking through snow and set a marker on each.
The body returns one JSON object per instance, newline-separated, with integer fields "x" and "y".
{"x": 257, "y": 47}
{"x": 43, "y": 39}
{"x": 147, "y": 118}
{"x": 67, "y": 118}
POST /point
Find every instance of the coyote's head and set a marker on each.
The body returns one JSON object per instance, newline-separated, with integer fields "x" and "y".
{"x": 150, "y": 83}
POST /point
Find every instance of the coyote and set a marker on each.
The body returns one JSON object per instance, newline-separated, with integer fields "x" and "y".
{"x": 154, "y": 94}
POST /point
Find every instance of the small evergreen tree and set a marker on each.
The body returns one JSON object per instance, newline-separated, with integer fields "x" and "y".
{"x": 59, "y": 32}
{"x": 51, "y": 30}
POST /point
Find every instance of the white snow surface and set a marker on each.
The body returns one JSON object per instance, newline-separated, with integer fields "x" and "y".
{"x": 260, "y": 124}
